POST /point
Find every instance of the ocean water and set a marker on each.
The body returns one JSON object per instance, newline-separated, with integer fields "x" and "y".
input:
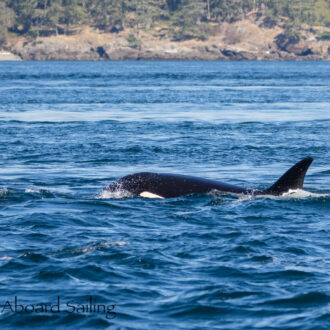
{"x": 73, "y": 256}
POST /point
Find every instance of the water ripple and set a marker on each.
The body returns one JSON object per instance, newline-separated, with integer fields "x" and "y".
{"x": 205, "y": 261}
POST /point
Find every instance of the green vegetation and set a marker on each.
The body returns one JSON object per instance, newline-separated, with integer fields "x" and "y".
{"x": 134, "y": 42}
{"x": 324, "y": 35}
{"x": 181, "y": 19}
{"x": 7, "y": 18}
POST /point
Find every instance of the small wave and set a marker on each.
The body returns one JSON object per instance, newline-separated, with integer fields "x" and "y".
{"x": 53, "y": 116}
{"x": 97, "y": 246}
{"x": 92, "y": 247}
{"x": 306, "y": 299}
{"x": 42, "y": 192}
{"x": 244, "y": 198}
{"x": 3, "y": 192}
{"x": 323, "y": 172}
{"x": 5, "y": 258}
{"x": 36, "y": 191}
{"x": 24, "y": 195}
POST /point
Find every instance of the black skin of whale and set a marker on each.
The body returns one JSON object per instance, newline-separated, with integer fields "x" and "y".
{"x": 174, "y": 185}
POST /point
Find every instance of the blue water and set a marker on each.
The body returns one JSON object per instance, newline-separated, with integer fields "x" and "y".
{"x": 68, "y": 129}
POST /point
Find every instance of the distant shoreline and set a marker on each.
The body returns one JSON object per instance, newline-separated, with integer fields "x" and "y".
{"x": 241, "y": 40}
{"x": 11, "y": 57}
{"x": 14, "y": 58}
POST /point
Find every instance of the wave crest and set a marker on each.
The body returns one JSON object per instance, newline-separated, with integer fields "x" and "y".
{"x": 3, "y": 192}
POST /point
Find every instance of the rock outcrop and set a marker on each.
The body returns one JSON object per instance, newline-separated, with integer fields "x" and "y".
{"x": 8, "y": 56}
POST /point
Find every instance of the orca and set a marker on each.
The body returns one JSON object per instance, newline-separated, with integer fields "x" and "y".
{"x": 165, "y": 185}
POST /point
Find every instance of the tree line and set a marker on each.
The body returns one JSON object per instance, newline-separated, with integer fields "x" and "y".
{"x": 180, "y": 18}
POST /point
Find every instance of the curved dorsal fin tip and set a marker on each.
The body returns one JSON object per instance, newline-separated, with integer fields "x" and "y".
{"x": 291, "y": 179}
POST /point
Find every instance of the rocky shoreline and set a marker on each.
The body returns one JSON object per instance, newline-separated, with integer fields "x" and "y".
{"x": 243, "y": 40}
{"x": 8, "y": 56}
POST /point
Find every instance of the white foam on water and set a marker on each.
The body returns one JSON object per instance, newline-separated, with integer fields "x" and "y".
{"x": 294, "y": 194}
{"x": 3, "y": 191}
{"x": 291, "y": 194}
{"x": 55, "y": 116}
{"x": 244, "y": 198}
{"x": 172, "y": 112}
{"x": 6, "y": 258}
{"x": 107, "y": 194}
{"x": 97, "y": 246}
{"x": 32, "y": 191}
{"x": 300, "y": 193}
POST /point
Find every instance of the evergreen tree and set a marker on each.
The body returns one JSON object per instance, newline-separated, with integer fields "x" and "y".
{"x": 73, "y": 13}
{"x": 25, "y": 13}
{"x": 7, "y": 19}
{"x": 107, "y": 14}
{"x": 149, "y": 11}
{"x": 53, "y": 13}
{"x": 186, "y": 18}
{"x": 172, "y": 4}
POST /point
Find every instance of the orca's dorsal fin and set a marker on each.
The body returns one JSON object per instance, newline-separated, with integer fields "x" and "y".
{"x": 292, "y": 179}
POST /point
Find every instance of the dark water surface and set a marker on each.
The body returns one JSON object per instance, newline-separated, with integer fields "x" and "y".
{"x": 196, "y": 262}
